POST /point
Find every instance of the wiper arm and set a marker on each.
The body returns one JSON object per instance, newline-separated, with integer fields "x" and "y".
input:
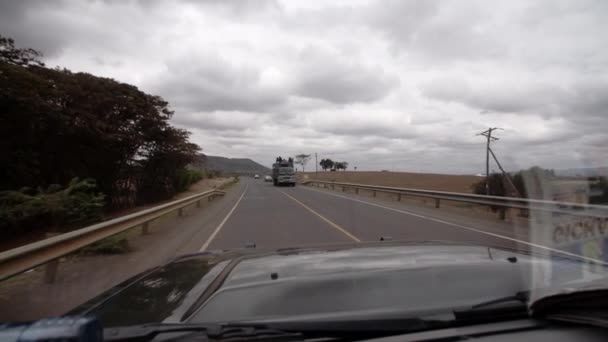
{"x": 146, "y": 332}
{"x": 490, "y": 311}
{"x": 521, "y": 297}
{"x": 359, "y": 328}
{"x": 582, "y": 307}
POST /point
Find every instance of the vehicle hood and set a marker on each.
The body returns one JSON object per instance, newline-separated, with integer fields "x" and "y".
{"x": 358, "y": 280}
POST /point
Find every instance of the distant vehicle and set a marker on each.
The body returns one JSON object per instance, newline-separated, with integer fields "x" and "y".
{"x": 283, "y": 173}
{"x": 267, "y": 178}
{"x": 256, "y": 176}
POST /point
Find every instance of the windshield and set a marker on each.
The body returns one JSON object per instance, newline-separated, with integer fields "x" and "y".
{"x": 358, "y": 157}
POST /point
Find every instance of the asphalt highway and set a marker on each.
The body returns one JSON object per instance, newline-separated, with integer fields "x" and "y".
{"x": 278, "y": 217}
{"x": 253, "y": 212}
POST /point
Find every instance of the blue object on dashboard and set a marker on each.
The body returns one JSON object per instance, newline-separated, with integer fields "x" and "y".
{"x": 54, "y": 329}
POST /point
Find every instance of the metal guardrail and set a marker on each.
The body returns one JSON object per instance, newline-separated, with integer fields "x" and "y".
{"x": 567, "y": 208}
{"x": 23, "y": 258}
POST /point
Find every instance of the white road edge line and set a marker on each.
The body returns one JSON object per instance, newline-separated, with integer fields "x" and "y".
{"x": 463, "y": 227}
{"x": 219, "y": 227}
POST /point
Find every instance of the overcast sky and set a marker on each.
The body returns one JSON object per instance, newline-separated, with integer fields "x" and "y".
{"x": 400, "y": 85}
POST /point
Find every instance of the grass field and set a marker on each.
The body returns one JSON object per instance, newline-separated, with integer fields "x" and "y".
{"x": 427, "y": 181}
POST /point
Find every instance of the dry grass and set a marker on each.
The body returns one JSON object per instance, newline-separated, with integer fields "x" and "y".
{"x": 427, "y": 181}
{"x": 204, "y": 185}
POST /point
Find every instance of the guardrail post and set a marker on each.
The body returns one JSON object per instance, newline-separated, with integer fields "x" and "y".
{"x": 398, "y": 197}
{"x": 374, "y": 193}
{"x": 343, "y": 188}
{"x": 198, "y": 203}
{"x": 436, "y": 202}
{"x": 502, "y": 213}
{"x": 357, "y": 191}
{"x": 50, "y": 271}
{"x": 180, "y": 212}
{"x": 333, "y": 187}
{"x": 144, "y": 228}
{"x": 51, "y": 267}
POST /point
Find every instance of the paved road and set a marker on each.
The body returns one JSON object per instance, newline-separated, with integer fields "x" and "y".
{"x": 251, "y": 211}
{"x": 275, "y": 217}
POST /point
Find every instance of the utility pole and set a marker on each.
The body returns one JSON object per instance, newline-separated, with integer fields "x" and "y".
{"x": 490, "y": 138}
{"x": 506, "y": 175}
{"x": 316, "y": 165}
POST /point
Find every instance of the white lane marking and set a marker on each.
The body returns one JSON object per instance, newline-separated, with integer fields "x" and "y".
{"x": 328, "y": 221}
{"x": 219, "y": 227}
{"x": 463, "y": 227}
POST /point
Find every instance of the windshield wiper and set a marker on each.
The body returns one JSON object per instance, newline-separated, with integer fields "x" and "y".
{"x": 581, "y": 307}
{"x": 490, "y": 310}
{"x": 359, "y": 327}
{"x": 146, "y": 332}
{"x": 521, "y": 297}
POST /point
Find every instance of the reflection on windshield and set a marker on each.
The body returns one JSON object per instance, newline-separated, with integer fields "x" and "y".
{"x": 480, "y": 125}
{"x": 566, "y": 230}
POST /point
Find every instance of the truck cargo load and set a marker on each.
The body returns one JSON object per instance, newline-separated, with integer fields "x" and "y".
{"x": 283, "y": 172}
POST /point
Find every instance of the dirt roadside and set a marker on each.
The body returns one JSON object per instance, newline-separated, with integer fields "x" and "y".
{"x": 426, "y": 181}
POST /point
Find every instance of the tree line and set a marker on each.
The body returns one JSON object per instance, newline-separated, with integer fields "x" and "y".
{"x": 328, "y": 164}
{"x": 58, "y": 126}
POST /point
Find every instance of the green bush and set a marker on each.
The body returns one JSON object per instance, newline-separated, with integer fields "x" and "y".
{"x": 186, "y": 177}
{"x": 117, "y": 244}
{"x": 601, "y": 185}
{"x": 529, "y": 183}
{"x": 234, "y": 180}
{"x": 54, "y": 208}
{"x": 497, "y": 186}
{"x": 210, "y": 174}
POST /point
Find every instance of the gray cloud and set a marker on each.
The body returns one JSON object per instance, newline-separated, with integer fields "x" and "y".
{"x": 237, "y": 7}
{"x": 439, "y": 31}
{"x": 402, "y": 20}
{"x": 392, "y": 84}
{"x": 209, "y": 83}
{"x": 338, "y": 80}
{"x": 587, "y": 97}
{"x": 220, "y": 121}
{"x": 20, "y": 20}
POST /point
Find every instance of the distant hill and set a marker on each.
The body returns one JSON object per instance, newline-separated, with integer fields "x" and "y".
{"x": 242, "y": 166}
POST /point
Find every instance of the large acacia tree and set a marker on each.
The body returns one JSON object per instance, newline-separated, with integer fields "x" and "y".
{"x": 57, "y": 125}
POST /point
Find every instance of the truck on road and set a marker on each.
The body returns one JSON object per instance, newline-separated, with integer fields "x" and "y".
{"x": 283, "y": 173}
